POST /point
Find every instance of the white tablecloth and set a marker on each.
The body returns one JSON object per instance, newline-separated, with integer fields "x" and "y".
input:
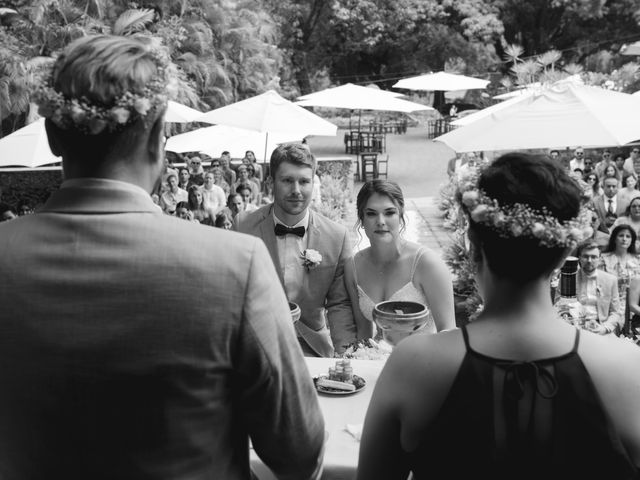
{"x": 341, "y": 450}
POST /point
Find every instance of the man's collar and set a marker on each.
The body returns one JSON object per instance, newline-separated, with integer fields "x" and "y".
{"x": 302, "y": 223}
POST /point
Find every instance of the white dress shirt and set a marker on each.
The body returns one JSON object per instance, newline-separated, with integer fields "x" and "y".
{"x": 290, "y": 247}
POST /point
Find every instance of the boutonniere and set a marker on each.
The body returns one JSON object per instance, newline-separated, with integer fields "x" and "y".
{"x": 311, "y": 258}
{"x": 598, "y": 291}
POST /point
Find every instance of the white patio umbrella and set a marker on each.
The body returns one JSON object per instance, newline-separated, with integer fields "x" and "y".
{"x": 441, "y": 81}
{"x": 27, "y": 147}
{"x": 558, "y": 116}
{"x": 355, "y": 97}
{"x": 218, "y": 138}
{"x": 269, "y": 113}
{"x": 179, "y": 113}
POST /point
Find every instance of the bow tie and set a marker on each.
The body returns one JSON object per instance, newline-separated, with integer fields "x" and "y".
{"x": 284, "y": 230}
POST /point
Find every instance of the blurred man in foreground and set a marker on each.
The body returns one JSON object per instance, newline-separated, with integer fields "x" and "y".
{"x": 132, "y": 344}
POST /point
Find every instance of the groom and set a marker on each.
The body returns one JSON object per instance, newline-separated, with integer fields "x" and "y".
{"x": 294, "y": 235}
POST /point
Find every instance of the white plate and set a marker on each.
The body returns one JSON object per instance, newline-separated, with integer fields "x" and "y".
{"x": 332, "y": 391}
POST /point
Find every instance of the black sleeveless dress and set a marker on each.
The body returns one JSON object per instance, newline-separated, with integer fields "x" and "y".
{"x": 506, "y": 419}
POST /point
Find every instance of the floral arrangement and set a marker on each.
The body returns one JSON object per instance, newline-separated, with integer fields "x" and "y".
{"x": 311, "y": 258}
{"x": 93, "y": 119}
{"x": 367, "y": 349}
{"x": 518, "y": 220}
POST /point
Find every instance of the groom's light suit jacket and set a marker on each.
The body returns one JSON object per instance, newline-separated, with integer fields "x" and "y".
{"x": 323, "y": 286}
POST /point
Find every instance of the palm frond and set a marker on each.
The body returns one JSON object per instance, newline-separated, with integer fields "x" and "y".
{"x": 513, "y": 52}
{"x": 132, "y": 21}
{"x": 573, "y": 69}
{"x": 549, "y": 58}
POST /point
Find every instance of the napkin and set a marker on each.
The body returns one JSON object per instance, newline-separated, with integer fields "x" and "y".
{"x": 355, "y": 430}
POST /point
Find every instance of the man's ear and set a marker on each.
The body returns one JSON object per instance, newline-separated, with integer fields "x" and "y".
{"x": 155, "y": 141}
{"x": 54, "y": 141}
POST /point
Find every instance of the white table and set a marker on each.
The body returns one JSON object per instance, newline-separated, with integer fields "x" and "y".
{"x": 341, "y": 450}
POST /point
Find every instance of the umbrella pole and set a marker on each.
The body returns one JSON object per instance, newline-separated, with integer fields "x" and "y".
{"x": 359, "y": 118}
{"x": 266, "y": 140}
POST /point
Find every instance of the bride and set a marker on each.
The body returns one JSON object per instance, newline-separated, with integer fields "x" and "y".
{"x": 393, "y": 268}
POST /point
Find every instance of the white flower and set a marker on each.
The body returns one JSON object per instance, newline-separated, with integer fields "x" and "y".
{"x": 311, "y": 258}
{"x": 537, "y": 229}
{"x": 479, "y": 213}
{"x": 470, "y": 198}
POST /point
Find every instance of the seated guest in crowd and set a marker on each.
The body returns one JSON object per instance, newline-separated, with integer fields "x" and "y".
{"x": 604, "y": 162}
{"x": 214, "y": 197}
{"x": 634, "y": 307}
{"x": 197, "y": 207}
{"x": 218, "y": 179}
{"x": 250, "y": 158}
{"x": 170, "y": 159}
{"x": 7, "y": 212}
{"x": 619, "y": 159}
{"x": 611, "y": 171}
{"x": 184, "y": 212}
{"x": 135, "y": 345}
{"x": 174, "y": 194}
{"x": 632, "y": 163}
{"x": 227, "y": 171}
{"x": 196, "y": 170}
{"x": 244, "y": 189}
{"x": 600, "y": 234}
{"x": 223, "y": 220}
{"x": 309, "y": 252}
{"x": 235, "y": 205}
{"x": 252, "y": 178}
{"x": 531, "y": 393}
{"x": 608, "y": 206}
{"x": 392, "y": 268}
{"x": 184, "y": 178}
{"x": 598, "y": 292}
{"x": 594, "y": 189}
{"x": 243, "y": 179}
{"x": 577, "y": 162}
{"x": 631, "y": 217}
{"x": 628, "y": 190}
{"x": 620, "y": 258}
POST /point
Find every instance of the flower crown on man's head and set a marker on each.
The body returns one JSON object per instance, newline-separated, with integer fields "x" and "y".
{"x": 522, "y": 221}
{"x": 91, "y": 118}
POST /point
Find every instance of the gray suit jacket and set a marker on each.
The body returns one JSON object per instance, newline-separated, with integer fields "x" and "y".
{"x": 137, "y": 345}
{"x": 323, "y": 286}
{"x": 601, "y": 209}
{"x": 610, "y": 311}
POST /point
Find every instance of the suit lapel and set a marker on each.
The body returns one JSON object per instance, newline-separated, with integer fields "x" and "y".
{"x": 269, "y": 237}
{"x": 313, "y": 231}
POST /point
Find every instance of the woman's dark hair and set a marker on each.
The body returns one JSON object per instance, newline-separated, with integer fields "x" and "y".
{"x": 611, "y": 246}
{"x": 596, "y": 185}
{"x": 541, "y": 184}
{"x": 627, "y": 211}
{"x": 381, "y": 187}
{"x": 221, "y": 218}
{"x": 615, "y": 169}
{"x": 191, "y": 200}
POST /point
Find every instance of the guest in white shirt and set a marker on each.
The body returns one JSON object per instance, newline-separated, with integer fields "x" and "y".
{"x": 174, "y": 195}
{"x": 214, "y": 197}
{"x": 577, "y": 162}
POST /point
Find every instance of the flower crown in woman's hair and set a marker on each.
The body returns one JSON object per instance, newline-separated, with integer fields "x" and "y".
{"x": 92, "y": 119}
{"x": 522, "y": 221}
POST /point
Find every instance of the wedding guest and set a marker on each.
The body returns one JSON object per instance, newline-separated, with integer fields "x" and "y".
{"x": 619, "y": 159}
{"x": 197, "y": 207}
{"x": 184, "y": 178}
{"x": 252, "y": 160}
{"x": 214, "y": 196}
{"x": 218, "y": 179}
{"x": 243, "y": 180}
{"x": 631, "y": 217}
{"x": 632, "y": 162}
{"x": 244, "y": 190}
{"x": 308, "y": 250}
{"x": 393, "y": 268}
{"x": 535, "y": 396}
{"x": 174, "y": 194}
{"x": 577, "y": 162}
{"x": 235, "y": 205}
{"x": 608, "y": 206}
{"x": 612, "y": 171}
{"x": 632, "y": 329}
{"x": 224, "y": 221}
{"x": 196, "y": 171}
{"x": 598, "y": 292}
{"x": 135, "y": 345}
{"x": 227, "y": 171}
{"x": 593, "y": 183}
{"x": 620, "y": 258}
{"x": 604, "y": 162}
{"x": 629, "y": 189}
{"x": 7, "y": 212}
{"x": 184, "y": 212}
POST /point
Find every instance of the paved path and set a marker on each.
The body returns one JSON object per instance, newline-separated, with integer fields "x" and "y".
{"x": 419, "y": 166}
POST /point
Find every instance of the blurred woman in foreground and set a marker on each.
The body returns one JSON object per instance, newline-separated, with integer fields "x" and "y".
{"x": 518, "y": 393}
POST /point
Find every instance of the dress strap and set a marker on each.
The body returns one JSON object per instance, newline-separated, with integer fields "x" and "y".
{"x": 415, "y": 262}
{"x": 465, "y": 335}
{"x": 355, "y": 270}
{"x": 576, "y": 342}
